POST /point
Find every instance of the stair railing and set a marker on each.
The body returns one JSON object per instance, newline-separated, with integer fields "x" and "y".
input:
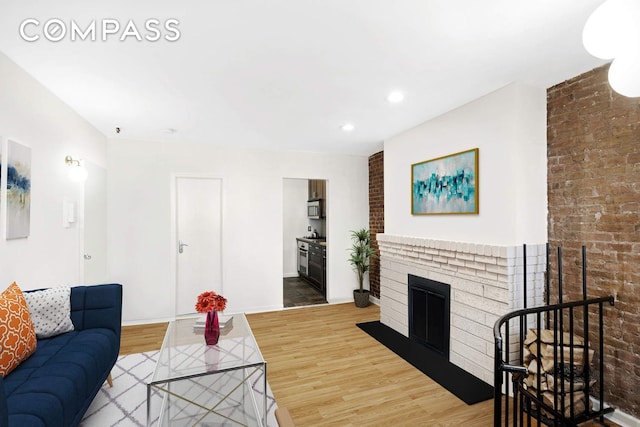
{"x": 567, "y": 320}
{"x": 525, "y": 403}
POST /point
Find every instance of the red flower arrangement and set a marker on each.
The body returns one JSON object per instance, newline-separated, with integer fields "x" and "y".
{"x": 208, "y": 301}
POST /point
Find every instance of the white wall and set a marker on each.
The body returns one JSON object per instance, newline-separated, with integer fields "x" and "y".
{"x": 294, "y": 223}
{"x": 509, "y": 128}
{"x": 33, "y": 116}
{"x": 142, "y": 247}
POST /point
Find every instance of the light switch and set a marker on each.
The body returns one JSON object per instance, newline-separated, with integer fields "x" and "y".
{"x": 68, "y": 212}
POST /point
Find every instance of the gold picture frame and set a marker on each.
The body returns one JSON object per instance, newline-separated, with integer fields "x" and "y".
{"x": 446, "y": 185}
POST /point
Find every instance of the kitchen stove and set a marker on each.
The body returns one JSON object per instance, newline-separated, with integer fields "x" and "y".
{"x": 303, "y": 258}
{"x": 312, "y": 261}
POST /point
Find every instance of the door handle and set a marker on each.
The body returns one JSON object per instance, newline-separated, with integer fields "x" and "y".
{"x": 181, "y": 246}
{"x": 87, "y": 257}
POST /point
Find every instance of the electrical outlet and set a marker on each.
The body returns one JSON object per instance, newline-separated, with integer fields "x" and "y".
{"x": 308, "y": 228}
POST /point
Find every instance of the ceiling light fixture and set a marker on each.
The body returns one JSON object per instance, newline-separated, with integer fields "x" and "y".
{"x": 395, "y": 97}
{"x": 77, "y": 172}
{"x": 347, "y": 127}
{"x": 612, "y": 32}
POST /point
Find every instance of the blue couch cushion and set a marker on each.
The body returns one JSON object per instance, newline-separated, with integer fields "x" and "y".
{"x": 51, "y": 386}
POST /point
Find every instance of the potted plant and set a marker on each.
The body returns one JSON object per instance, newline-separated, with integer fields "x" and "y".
{"x": 361, "y": 254}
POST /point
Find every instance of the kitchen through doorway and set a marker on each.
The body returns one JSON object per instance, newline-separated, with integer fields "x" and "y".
{"x": 304, "y": 242}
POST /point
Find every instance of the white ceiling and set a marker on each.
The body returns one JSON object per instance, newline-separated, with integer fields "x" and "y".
{"x": 286, "y": 74}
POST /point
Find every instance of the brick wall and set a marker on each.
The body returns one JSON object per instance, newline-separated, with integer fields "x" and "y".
{"x": 376, "y": 214}
{"x": 593, "y": 143}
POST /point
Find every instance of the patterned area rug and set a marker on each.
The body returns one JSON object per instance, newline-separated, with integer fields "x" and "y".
{"x": 125, "y": 404}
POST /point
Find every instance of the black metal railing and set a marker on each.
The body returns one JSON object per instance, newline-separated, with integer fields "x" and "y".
{"x": 519, "y": 398}
{"x": 526, "y": 404}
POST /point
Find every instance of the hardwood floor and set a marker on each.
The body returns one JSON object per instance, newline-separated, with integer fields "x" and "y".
{"x": 328, "y": 372}
{"x": 141, "y": 338}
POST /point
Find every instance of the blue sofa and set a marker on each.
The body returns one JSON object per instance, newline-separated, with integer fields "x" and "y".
{"x": 55, "y": 386}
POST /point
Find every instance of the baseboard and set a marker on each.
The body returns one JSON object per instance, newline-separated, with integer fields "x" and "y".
{"x": 340, "y": 300}
{"x": 621, "y": 418}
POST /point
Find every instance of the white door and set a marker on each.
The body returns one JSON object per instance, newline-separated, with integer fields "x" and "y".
{"x": 95, "y": 225}
{"x": 198, "y": 207}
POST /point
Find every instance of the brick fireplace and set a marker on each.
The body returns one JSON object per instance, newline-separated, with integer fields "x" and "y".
{"x": 486, "y": 282}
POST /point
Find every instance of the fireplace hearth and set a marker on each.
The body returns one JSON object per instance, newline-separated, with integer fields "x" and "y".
{"x": 429, "y": 314}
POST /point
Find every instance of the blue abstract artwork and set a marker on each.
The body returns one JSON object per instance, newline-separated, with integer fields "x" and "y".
{"x": 18, "y": 190}
{"x": 446, "y": 185}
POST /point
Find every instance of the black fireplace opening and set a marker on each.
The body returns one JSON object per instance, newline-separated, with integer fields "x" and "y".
{"x": 429, "y": 318}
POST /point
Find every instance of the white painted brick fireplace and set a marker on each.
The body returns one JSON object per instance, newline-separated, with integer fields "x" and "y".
{"x": 487, "y": 281}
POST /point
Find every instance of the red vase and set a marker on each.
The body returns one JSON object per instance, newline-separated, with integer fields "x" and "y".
{"x": 212, "y": 328}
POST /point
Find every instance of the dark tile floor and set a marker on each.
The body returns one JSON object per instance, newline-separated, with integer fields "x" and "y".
{"x": 298, "y": 293}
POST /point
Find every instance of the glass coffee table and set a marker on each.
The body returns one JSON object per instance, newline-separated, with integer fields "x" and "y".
{"x": 199, "y": 385}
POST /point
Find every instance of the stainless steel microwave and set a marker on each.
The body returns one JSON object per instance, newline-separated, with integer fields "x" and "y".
{"x": 314, "y": 209}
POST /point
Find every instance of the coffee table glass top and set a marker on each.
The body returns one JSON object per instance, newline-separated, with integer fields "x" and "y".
{"x": 196, "y": 384}
{"x": 185, "y": 354}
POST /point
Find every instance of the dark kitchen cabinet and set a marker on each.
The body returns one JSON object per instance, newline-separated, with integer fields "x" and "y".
{"x": 317, "y": 189}
{"x": 317, "y": 261}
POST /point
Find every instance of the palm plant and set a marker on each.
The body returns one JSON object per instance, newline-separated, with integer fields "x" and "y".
{"x": 361, "y": 253}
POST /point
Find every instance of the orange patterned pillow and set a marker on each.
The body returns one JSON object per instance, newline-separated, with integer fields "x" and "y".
{"x": 17, "y": 335}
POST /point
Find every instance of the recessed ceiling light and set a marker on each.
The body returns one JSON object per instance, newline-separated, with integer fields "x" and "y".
{"x": 347, "y": 127}
{"x": 395, "y": 97}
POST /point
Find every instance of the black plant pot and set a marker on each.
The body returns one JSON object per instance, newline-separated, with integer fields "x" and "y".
{"x": 361, "y": 298}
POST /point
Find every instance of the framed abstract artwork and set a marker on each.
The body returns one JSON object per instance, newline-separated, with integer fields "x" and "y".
{"x": 446, "y": 185}
{"x": 18, "y": 190}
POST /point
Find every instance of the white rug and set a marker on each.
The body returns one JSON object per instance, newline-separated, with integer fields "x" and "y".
{"x": 125, "y": 404}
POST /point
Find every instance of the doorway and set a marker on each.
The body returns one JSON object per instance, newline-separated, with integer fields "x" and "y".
{"x": 198, "y": 244}
{"x": 303, "y": 285}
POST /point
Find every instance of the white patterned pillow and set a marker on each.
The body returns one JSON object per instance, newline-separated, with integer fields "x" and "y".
{"x": 50, "y": 311}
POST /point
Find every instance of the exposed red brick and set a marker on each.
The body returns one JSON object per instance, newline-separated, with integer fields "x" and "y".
{"x": 376, "y": 214}
{"x": 593, "y": 147}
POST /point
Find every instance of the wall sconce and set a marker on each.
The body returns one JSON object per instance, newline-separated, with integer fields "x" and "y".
{"x": 77, "y": 172}
{"x": 612, "y": 32}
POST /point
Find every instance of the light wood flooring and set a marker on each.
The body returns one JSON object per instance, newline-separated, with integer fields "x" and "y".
{"x": 328, "y": 372}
